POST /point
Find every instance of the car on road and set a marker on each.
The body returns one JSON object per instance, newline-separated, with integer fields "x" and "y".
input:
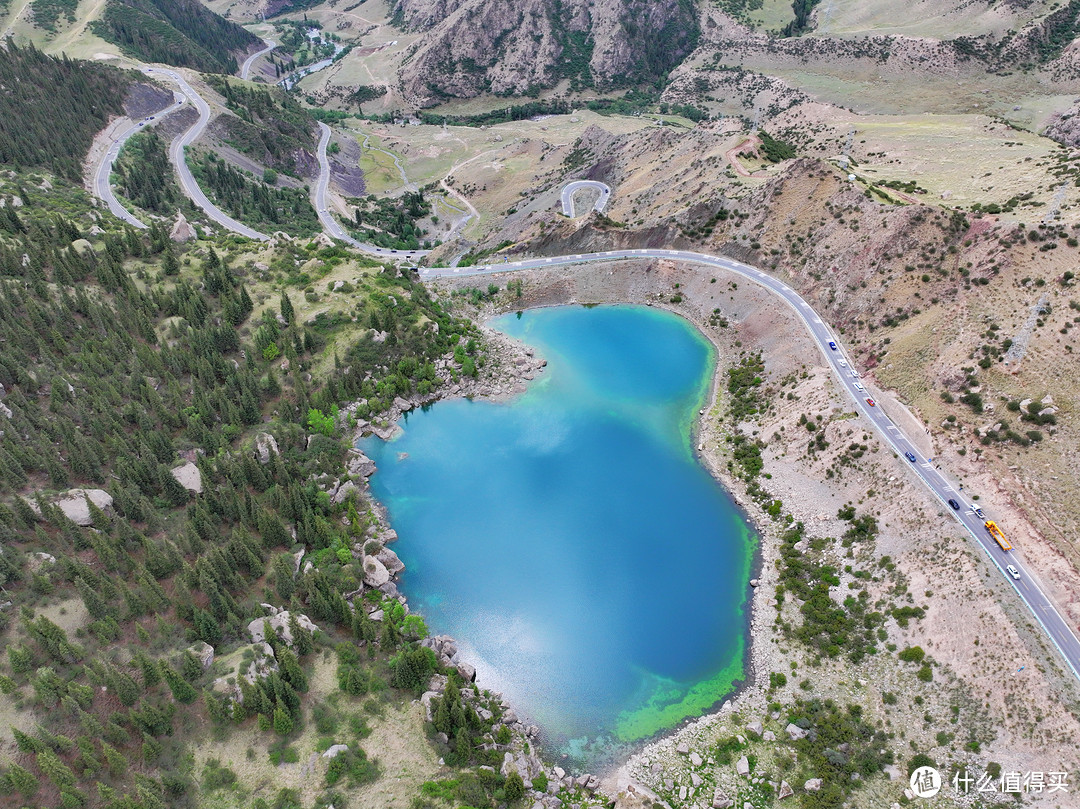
{"x": 843, "y": 364}
{"x": 954, "y": 504}
{"x": 855, "y": 374}
{"x": 871, "y": 402}
{"x": 1013, "y": 572}
{"x": 859, "y": 387}
{"x": 832, "y": 345}
{"x": 910, "y": 456}
{"x": 978, "y": 512}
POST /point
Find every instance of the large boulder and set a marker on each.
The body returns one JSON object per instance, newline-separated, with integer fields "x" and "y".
{"x": 182, "y": 231}
{"x": 720, "y": 800}
{"x": 343, "y": 492}
{"x": 375, "y": 572}
{"x": 742, "y": 767}
{"x": 795, "y": 732}
{"x": 204, "y": 653}
{"x": 360, "y": 464}
{"x": 189, "y": 476}
{"x": 280, "y": 624}
{"x": 813, "y": 785}
{"x": 334, "y": 750}
{"x": 76, "y": 508}
{"x": 390, "y": 561}
{"x": 264, "y": 444}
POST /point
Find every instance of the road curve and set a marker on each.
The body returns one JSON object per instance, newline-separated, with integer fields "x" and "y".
{"x": 245, "y": 70}
{"x": 1042, "y": 608}
{"x": 330, "y": 225}
{"x": 179, "y": 160}
{"x": 570, "y": 189}
{"x": 102, "y": 187}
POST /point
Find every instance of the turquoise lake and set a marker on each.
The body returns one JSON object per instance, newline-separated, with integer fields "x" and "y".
{"x": 584, "y": 560}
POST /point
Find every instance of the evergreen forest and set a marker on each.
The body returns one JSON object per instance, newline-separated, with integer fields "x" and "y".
{"x": 183, "y": 33}
{"x": 51, "y": 108}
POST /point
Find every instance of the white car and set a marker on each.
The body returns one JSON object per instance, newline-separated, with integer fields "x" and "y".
{"x": 843, "y": 364}
{"x": 859, "y": 387}
{"x": 1013, "y": 572}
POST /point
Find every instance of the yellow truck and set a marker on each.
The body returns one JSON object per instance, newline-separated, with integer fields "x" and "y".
{"x": 999, "y": 537}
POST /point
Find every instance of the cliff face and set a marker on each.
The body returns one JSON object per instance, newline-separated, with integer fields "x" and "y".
{"x": 472, "y": 47}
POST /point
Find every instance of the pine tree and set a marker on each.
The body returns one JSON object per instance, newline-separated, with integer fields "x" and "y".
{"x": 514, "y": 788}
{"x": 283, "y": 723}
{"x": 114, "y": 760}
{"x": 287, "y": 313}
{"x": 54, "y": 769}
{"x": 182, "y": 690}
{"x": 302, "y": 639}
{"x": 22, "y": 780}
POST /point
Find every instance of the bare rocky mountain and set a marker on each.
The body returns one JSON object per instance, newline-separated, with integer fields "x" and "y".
{"x": 472, "y": 47}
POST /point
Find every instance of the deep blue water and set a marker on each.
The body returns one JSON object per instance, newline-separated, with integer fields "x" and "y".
{"x": 587, "y": 564}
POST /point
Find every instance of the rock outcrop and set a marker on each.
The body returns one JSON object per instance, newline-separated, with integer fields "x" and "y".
{"x": 264, "y": 444}
{"x": 279, "y": 621}
{"x": 182, "y": 231}
{"x": 189, "y": 477}
{"x": 204, "y": 653}
{"x": 76, "y": 508}
{"x": 472, "y": 47}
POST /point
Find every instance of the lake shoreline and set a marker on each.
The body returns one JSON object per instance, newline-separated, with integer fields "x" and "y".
{"x": 515, "y": 365}
{"x": 639, "y": 284}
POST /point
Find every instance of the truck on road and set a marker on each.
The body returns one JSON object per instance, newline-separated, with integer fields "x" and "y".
{"x": 999, "y": 537}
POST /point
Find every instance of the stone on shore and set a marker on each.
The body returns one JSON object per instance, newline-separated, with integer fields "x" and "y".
{"x": 390, "y": 561}
{"x": 695, "y": 760}
{"x": 467, "y": 672}
{"x": 683, "y": 748}
{"x": 375, "y": 572}
{"x": 360, "y": 465}
{"x": 755, "y": 728}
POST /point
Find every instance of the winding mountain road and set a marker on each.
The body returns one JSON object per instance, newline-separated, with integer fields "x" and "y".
{"x": 179, "y": 161}
{"x": 570, "y": 189}
{"x": 1024, "y": 583}
{"x": 331, "y": 225}
{"x": 103, "y": 187}
{"x": 245, "y": 70}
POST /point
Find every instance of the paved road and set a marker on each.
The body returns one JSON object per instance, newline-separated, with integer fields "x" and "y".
{"x": 176, "y": 155}
{"x": 1042, "y": 608}
{"x": 319, "y": 200}
{"x": 571, "y": 188}
{"x": 102, "y": 187}
{"x": 245, "y": 70}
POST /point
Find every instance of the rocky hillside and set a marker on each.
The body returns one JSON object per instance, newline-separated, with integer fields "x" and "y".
{"x": 472, "y": 47}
